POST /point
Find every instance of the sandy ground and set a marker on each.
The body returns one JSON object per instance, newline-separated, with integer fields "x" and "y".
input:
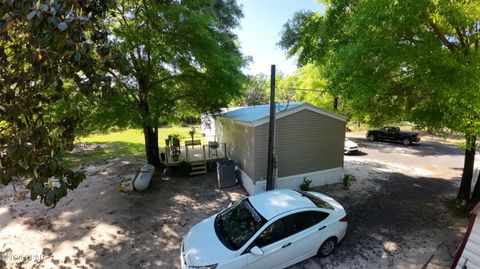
{"x": 98, "y": 227}
{"x": 396, "y": 207}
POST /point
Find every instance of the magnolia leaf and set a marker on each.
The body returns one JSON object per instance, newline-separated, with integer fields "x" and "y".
{"x": 62, "y": 26}
{"x": 33, "y": 195}
{"x": 44, "y": 7}
{"x": 77, "y": 57}
{"x": 31, "y": 15}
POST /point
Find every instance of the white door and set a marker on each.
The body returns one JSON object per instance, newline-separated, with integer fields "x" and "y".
{"x": 311, "y": 230}
{"x": 276, "y": 243}
{"x": 239, "y": 262}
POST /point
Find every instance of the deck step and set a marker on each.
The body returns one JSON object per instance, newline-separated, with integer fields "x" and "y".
{"x": 194, "y": 168}
{"x": 198, "y": 168}
{"x": 196, "y": 173}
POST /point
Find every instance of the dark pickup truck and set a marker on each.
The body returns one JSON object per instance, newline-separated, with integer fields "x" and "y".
{"x": 393, "y": 134}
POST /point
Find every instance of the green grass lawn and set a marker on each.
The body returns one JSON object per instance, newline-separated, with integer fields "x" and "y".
{"x": 128, "y": 143}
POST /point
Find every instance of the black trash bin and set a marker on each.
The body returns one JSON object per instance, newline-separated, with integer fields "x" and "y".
{"x": 227, "y": 174}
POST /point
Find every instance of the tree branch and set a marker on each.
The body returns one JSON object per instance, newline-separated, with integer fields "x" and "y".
{"x": 157, "y": 81}
{"x": 438, "y": 34}
{"x": 441, "y": 37}
{"x": 461, "y": 38}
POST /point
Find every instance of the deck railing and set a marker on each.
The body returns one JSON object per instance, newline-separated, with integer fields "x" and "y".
{"x": 196, "y": 153}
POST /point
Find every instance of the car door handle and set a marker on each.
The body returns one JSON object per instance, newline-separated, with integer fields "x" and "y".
{"x": 321, "y": 228}
{"x": 286, "y": 245}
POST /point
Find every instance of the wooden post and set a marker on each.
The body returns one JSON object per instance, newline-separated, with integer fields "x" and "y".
{"x": 204, "y": 156}
{"x": 271, "y": 134}
{"x": 167, "y": 153}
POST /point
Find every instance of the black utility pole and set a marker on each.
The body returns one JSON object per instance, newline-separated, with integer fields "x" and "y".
{"x": 271, "y": 135}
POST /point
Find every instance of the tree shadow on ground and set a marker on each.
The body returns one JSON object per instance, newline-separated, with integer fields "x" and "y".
{"x": 399, "y": 216}
{"x": 102, "y": 228}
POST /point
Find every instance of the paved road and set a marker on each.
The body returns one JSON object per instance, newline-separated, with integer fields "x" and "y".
{"x": 397, "y": 207}
{"x": 440, "y": 159}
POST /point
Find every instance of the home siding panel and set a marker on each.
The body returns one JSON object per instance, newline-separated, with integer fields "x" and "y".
{"x": 239, "y": 140}
{"x": 306, "y": 142}
{"x": 470, "y": 256}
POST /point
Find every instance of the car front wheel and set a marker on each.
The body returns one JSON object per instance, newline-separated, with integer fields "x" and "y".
{"x": 371, "y": 138}
{"x": 406, "y": 141}
{"x": 327, "y": 247}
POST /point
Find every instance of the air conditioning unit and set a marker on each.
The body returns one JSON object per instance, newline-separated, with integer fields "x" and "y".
{"x": 227, "y": 172}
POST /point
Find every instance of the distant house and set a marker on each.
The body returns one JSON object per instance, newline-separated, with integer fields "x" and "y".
{"x": 468, "y": 253}
{"x": 309, "y": 144}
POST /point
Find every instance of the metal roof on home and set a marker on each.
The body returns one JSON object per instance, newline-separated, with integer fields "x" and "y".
{"x": 256, "y": 115}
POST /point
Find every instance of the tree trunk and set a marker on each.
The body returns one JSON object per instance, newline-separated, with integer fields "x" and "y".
{"x": 151, "y": 145}
{"x": 335, "y": 103}
{"x": 476, "y": 192}
{"x": 466, "y": 183}
{"x": 150, "y": 132}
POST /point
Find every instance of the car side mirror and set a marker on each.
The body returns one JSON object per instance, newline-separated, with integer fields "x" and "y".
{"x": 256, "y": 251}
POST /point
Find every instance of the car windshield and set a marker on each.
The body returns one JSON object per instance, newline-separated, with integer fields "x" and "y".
{"x": 237, "y": 224}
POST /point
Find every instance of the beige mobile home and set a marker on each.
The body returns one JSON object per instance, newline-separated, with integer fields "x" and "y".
{"x": 309, "y": 143}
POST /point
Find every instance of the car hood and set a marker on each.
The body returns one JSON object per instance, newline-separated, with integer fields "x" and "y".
{"x": 350, "y": 144}
{"x": 201, "y": 245}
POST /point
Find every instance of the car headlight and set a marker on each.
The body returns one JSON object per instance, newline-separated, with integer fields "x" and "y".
{"x": 212, "y": 266}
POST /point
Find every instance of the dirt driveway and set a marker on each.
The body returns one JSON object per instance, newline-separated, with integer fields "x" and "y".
{"x": 396, "y": 206}
{"x": 398, "y": 216}
{"x": 98, "y": 227}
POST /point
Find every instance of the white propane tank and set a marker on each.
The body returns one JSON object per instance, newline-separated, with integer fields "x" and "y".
{"x": 143, "y": 179}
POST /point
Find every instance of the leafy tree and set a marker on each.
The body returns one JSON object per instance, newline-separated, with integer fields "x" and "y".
{"x": 48, "y": 50}
{"x": 255, "y": 91}
{"x": 399, "y": 60}
{"x": 179, "y": 58}
{"x": 308, "y": 84}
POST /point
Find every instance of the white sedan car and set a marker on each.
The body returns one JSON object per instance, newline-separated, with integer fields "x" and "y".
{"x": 274, "y": 229}
{"x": 350, "y": 146}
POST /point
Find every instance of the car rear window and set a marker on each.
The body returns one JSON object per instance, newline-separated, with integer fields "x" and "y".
{"x": 317, "y": 200}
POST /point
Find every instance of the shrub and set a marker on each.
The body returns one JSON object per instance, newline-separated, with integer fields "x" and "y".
{"x": 305, "y": 186}
{"x": 346, "y": 180}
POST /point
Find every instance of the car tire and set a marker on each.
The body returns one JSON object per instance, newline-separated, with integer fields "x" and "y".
{"x": 371, "y": 138}
{"x": 406, "y": 141}
{"x": 327, "y": 247}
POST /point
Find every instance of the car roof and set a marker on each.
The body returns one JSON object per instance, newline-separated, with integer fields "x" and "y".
{"x": 272, "y": 203}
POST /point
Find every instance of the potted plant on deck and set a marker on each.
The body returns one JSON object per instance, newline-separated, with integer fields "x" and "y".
{"x": 175, "y": 140}
{"x": 175, "y": 154}
{"x": 168, "y": 140}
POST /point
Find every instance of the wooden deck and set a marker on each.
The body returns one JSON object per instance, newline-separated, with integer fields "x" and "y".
{"x": 196, "y": 154}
